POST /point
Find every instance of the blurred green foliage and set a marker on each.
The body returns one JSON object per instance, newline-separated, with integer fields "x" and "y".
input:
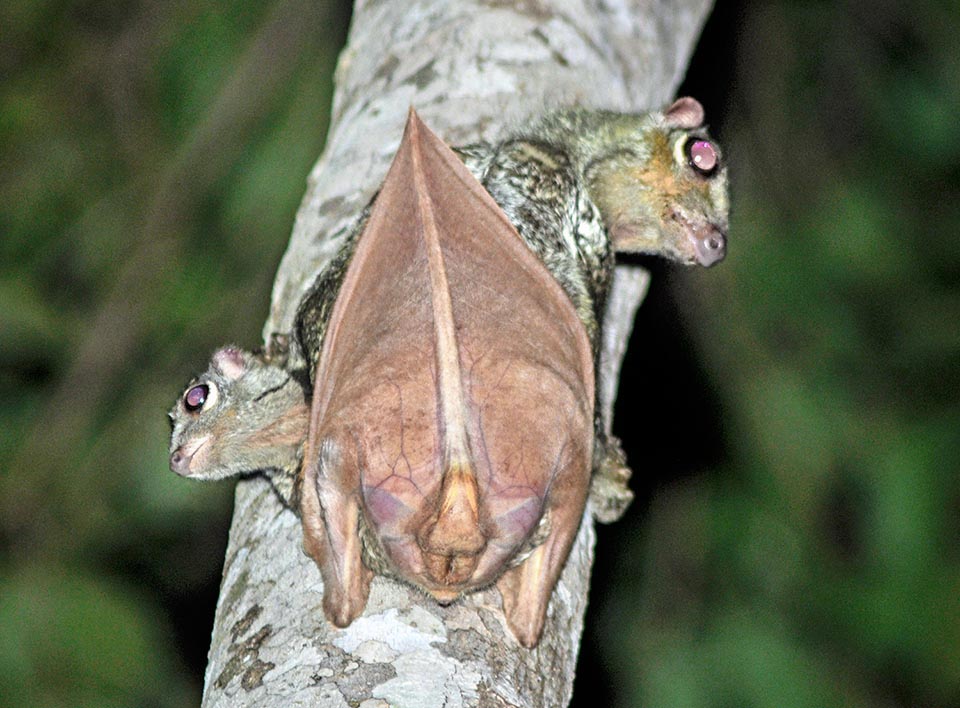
{"x": 818, "y": 562}
{"x": 153, "y": 158}
{"x": 154, "y": 155}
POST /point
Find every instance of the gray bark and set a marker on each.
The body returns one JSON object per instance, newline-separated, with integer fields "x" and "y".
{"x": 472, "y": 69}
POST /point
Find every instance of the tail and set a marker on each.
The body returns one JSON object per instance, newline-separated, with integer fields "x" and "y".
{"x": 452, "y": 540}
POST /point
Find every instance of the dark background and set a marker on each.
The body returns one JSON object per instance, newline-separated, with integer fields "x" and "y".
{"x": 792, "y": 416}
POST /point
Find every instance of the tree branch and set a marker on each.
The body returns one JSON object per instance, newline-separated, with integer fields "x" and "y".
{"x": 465, "y": 66}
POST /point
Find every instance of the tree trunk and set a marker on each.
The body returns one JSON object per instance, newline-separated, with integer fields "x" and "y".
{"x": 472, "y": 70}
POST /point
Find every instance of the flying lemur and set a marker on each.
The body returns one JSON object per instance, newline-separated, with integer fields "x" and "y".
{"x": 436, "y": 419}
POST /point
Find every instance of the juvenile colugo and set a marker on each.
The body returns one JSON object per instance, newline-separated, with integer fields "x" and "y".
{"x": 439, "y": 424}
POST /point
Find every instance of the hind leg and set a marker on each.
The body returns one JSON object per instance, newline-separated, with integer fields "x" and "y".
{"x": 526, "y": 589}
{"x": 330, "y": 513}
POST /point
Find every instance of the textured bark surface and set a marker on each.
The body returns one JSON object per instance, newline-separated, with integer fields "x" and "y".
{"x": 472, "y": 70}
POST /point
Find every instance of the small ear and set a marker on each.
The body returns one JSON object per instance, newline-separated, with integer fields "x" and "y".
{"x": 685, "y": 112}
{"x": 229, "y": 361}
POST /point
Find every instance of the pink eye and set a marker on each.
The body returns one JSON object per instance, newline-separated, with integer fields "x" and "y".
{"x": 702, "y": 156}
{"x": 195, "y": 397}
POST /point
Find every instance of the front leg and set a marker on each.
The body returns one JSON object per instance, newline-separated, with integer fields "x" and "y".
{"x": 610, "y": 493}
{"x": 330, "y": 512}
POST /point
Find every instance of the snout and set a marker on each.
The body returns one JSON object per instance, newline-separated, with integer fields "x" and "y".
{"x": 710, "y": 247}
{"x": 182, "y": 458}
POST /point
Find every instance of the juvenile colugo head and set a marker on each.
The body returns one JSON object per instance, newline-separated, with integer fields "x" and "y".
{"x": 242, "y": 415}
{"x": 660, "y": 183}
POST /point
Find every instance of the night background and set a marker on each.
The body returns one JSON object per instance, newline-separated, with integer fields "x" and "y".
{"x": 792, "y": 416}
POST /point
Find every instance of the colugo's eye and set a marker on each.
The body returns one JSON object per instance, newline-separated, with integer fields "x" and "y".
{"x": 702, "y": 156}
{"x": 195, "y": 397}
{"x": 199, "y": 396}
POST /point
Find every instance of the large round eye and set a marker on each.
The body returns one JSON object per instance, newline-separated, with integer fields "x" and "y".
{"x": 200, "y": 396}
{"x": 702, "y": 156}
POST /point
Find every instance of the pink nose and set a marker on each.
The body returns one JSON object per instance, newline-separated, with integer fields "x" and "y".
{"x": 710, "y": 248}
{"x": 180, "y": 461}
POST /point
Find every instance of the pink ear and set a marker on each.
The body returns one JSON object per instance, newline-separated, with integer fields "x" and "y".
{"x": 229, "y": 362}
{"x": 685, "y": 112}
